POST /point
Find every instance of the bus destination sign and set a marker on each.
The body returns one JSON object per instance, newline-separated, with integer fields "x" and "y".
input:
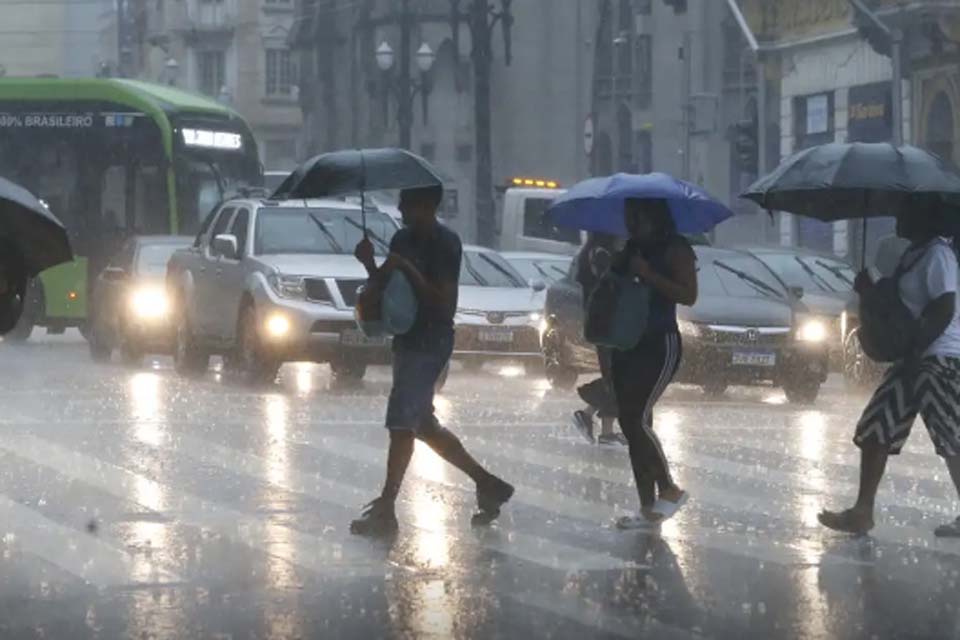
{"x": 212, "y": 139}
{"x": 49, "y": 120}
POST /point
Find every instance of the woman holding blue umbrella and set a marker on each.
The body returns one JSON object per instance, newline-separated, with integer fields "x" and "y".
{"x": 653, "y": 211}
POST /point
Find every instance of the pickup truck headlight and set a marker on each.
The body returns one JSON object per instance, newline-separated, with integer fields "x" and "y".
{"x": 288, "y": 286}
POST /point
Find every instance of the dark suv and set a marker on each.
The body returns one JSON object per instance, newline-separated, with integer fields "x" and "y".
{"x": 746, "y": 329}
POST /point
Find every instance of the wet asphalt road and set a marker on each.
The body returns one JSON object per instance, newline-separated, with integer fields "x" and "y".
{"x": 137, "y": 504}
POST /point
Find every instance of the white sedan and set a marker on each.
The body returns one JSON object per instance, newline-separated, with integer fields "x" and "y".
{"x": 499, "y": 314}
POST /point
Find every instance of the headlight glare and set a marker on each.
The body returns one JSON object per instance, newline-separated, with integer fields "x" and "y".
{"x": 812, "y": 330}
{"x": 277, "y": 326}
{"x": 150, "y": 303}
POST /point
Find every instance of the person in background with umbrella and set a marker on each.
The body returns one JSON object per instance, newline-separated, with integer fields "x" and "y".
{"x": 593, "y": 261}
{"x": 927, "y": 382}
{"x": 663, "y": 259}
{"x": 429, "y": 255}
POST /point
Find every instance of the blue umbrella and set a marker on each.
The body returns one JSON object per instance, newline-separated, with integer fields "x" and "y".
{"x": 597, "y": 204}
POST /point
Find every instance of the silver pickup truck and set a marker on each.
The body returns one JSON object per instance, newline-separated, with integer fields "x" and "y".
{"x": 269, "y": 282}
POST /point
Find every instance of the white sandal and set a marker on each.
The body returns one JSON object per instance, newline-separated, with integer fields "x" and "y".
{"x": 668, "y": 508}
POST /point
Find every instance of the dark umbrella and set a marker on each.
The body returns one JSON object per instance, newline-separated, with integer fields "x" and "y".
{"x": 33, "y": 230}
{"x": 857, "y": 180}
{"x": 357, "y": 170}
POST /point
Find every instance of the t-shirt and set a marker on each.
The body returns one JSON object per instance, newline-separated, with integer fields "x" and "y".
{"x": 437, "y": 258}
{"x": 933, "y": 275}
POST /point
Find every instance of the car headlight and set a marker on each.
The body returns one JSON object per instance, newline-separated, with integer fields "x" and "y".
{"x": 688, "y": 328}
{"x": 150, "y": 303}
{"x": 293, "y": 287}
{"x": 812, "y": 330}
{"x": 535, "y": 318}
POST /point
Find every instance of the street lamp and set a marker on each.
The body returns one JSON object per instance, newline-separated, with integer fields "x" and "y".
{"x": 403, "y": 85}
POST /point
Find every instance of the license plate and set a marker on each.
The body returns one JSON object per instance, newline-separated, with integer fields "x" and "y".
{"x": 754, "y": 359}
{"x": 354, "y": 338}
{"x": 488, "y": 335}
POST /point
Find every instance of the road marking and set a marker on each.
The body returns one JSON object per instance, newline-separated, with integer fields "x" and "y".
{"x": 81, "y": 554}
{"x": 310, "y": 552}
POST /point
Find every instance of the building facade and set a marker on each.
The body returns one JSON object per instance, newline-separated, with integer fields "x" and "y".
{"x": 233, "y": 50}
{"x": 539, "y": 101}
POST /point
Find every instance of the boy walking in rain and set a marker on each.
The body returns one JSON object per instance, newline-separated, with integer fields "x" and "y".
{"x": 429, "y": 255}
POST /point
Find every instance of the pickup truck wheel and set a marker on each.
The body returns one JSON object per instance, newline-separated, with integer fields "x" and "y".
{"x": 559, "y": 376}
{"x": 348, "y": 371}
{"x": 255, "y": 366}
{"x": 188, "y": 358}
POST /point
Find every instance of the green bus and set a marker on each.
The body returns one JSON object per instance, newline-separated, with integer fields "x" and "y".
{"x": 114, "y": 158}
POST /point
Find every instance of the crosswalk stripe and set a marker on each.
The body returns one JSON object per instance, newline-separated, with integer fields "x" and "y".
{"x": 533, "y": 549}
{"x": 310, "y": 552}
{"x": 81, "y": 554}
{"x": 757, "y": 547}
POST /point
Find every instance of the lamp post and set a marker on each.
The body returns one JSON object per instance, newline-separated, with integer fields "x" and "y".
{"x": 403, "y": 85}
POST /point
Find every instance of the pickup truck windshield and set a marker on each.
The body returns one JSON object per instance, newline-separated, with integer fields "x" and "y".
{"x": 302, "y": 230}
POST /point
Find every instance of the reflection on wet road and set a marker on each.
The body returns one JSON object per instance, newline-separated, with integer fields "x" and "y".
{"x": 138, "y": 504}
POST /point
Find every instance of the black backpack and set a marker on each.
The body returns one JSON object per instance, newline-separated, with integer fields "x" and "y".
{"x": 887, "y": 327}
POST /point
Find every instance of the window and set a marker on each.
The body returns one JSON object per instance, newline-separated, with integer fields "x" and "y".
{"x": 241, "y": 223}
{"x": 279, "y": 72}
{"x": 536, "y": 224}
{"x": 211, "y": 70}
{"x": 298, "y": 230}
{"x": 223, "y": 220}
{"x": 488, "y": 269}
{"x": 643, "y": 69}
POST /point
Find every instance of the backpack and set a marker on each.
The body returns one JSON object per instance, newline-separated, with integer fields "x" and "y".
{"x": 617, "y": 312}
{"x": 887, "y": 327}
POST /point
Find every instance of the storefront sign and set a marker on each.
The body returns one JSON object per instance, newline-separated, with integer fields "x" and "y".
{"x": 870, "y": 110}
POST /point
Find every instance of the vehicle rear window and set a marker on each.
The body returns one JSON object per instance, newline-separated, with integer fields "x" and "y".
{"x": 537, "y": 225}
{"x": 314, "y": 230}
{"x": 152, "y": 258}
{"x": 488, "y": 269}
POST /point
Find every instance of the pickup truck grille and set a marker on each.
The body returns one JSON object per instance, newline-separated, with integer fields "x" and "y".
{"x": 348, "y": 290}
{"x": 316, "y": 290}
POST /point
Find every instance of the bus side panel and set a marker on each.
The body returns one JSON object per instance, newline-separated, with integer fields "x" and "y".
{"x": 65, "y": 289}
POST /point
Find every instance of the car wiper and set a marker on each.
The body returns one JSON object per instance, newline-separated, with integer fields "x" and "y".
{"x": 837, "y": 271}
{"x": 506, "y": 274}
{"x": 757, "y": 283}
{"x": 816, "y": 277}
{"x": 332, "y": 239}
{"x": 370, "y": 234}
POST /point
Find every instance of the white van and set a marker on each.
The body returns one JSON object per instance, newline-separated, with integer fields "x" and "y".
{"x": 523, "y": 222}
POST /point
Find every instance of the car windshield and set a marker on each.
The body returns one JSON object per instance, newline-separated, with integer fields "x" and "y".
{"x": 738, "y": 276}
{"x": 812, "y": 273}
{"x": 547, "y": 269}
{"x": 488, "y": 269}
{"x": 152, "y": 258}
{"x": 315, "y": 230}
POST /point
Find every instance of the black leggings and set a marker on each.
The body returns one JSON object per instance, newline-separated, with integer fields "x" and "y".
{"x": 640, "y": 376}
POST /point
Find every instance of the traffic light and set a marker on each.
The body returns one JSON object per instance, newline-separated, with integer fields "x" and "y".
{"x": 746, "y": 139}
{"x": 679, "y": 6}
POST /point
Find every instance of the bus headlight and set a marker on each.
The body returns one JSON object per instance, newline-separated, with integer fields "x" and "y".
{"x": 812, "y": 330}
{"x": 277, "y": 326}
{"x": 150, "y": 303}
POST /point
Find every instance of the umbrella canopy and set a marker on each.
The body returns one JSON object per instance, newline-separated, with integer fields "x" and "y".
{"x": 597, "y": 204}
{"x": 857, "y": 180}
{"x": 29, "y": 225}
{"x": 357, "y": 170}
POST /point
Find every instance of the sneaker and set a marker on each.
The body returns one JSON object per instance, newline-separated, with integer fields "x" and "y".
{"x": 636, "y": 522}
{"x": 612, "y": 439}
{"x": 378, "y": 519}
{"x": 583, "y": 422}
{"x": 491, "y": 495}
{"x": 951, "y": 530}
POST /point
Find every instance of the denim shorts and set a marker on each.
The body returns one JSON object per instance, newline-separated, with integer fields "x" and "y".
{"x": 415, "y": 375}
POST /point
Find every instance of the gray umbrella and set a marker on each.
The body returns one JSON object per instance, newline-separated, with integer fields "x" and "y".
{"x": 857, "y": 180}
{"x": 39, "y": 237}
{"x": 354, "y": 171}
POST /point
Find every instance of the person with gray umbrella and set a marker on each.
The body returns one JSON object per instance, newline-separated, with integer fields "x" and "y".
{"x": 910, "y": 319}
